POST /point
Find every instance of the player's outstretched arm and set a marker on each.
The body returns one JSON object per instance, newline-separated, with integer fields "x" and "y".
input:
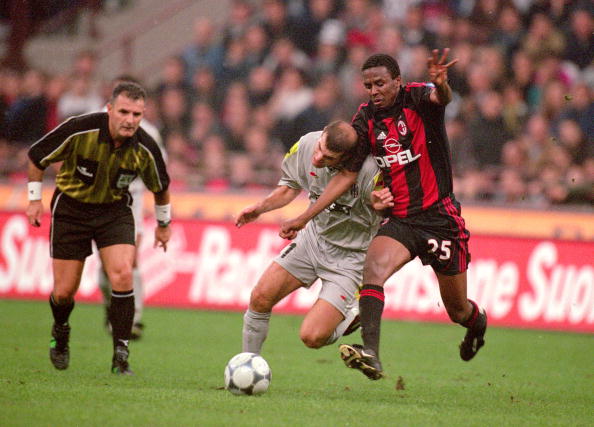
{"x": 281, "y": 196}
{"x": 340, "y": 183}
{"x": 35, "y": 207}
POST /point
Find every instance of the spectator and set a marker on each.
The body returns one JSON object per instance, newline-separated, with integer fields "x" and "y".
{"x": 309, "y": 25}
{"x": 285, "y": 55}
{"x": 265, "y": 156}
{"x": 172, "y": 77}
{"x": 240, "y": 18}
{"x": 260, "y": 86}
{"x": 257, "y": 46}
{"x": 484, "y": 18}
{"x": 580, "y": 39}
{"x": 415, "y": 33}
{"x": 542, "y": 39}
{"x": 523, "y": 75}
{"x": 275, "y": 20}
{"x": 235, "y": 116}
{"x": 515, "y": 110}
{"x": 203, "y": 123}
{"x": 173, "y": 112}
{"x": 204, "y": 51}
{"x": 27, "y": 116}
{"x": 330, "y": 52}
{"x": 322, "y": 110}
{"x": 80, "y": 98}
{"x": 508, "y": 32}
{"x": 291, "y": 97}
{"x": 581, "y": 109}
{"x": 213, "y": 164}
{"x": 235, "y": 65}
{"x": 204, "y": 88}
{"x": 487, "y": 131}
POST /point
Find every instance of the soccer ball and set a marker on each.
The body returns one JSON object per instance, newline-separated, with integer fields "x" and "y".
{"x": 247, "y": 373}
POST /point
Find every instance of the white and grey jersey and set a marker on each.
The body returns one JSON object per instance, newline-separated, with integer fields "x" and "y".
{"x": 350, "y": 222}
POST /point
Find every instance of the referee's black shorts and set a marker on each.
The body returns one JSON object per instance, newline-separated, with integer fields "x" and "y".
{"x": 75, "y": 225}
{"x": 437, "y": 236}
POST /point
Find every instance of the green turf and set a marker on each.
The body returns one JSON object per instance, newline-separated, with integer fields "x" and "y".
{"x": 519, "y": 377}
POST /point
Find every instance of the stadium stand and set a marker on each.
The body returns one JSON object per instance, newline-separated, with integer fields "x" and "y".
{"x": 232, "y": 100}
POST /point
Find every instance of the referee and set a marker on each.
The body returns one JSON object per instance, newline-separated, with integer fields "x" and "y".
{"x": 101, "y": 154}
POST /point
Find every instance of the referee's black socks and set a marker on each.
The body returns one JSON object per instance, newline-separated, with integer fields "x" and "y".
{"x": 61, "y": 310}
{"x": 371, "y": 307}
{"x": 121, "y": 316}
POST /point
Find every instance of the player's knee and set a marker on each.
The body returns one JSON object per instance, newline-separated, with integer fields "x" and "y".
{"x": 121, "y": 277}
{"x": 260, "y": 302}
{"x": 313, "y": 339}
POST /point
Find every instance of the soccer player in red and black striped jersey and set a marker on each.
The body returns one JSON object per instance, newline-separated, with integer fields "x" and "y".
{"x": 403, "y": 128}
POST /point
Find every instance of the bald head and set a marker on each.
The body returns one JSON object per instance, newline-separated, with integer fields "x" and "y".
{"x": 341, "y": 136}
{"x": 335, "y": 145}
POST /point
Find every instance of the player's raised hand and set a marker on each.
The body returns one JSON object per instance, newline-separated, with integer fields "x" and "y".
{"x": 247, "y": 215}
{"x": 34, "y": 212}
{"x": 438, "y": 68}
{"x": 382, "y": 199}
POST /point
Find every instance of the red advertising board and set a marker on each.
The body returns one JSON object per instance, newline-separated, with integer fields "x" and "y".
{"x": 523, "y": 283}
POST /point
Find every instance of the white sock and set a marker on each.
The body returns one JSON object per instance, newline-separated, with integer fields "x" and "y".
{"x": 138, "y": 294}
{"x": 255, "y": 330}
{"x": 342, "y": 326}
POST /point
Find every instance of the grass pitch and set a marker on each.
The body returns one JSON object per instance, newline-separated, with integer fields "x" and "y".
{"x": 519, "y": 378}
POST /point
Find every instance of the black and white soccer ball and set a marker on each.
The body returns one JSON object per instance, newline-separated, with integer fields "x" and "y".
{"x": 247, "y": 373}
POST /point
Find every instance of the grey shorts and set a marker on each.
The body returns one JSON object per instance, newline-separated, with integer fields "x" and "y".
{"x": 308, "y": 258}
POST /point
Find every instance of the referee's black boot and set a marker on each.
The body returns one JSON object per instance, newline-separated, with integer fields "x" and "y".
{"x": 59, "y": 351}
{"x": 119, "y": 362}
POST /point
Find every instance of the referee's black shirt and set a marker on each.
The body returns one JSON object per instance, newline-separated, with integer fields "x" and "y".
{"x": 93, "y": 169}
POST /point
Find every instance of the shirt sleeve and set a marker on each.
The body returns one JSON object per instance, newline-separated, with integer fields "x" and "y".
{"x": 55, "y": 145}
{"x": 154, "y": 172}
{"x": 372, "y": 180}
{"x": 420, "y": 95}
{"x": 290, "y": 168}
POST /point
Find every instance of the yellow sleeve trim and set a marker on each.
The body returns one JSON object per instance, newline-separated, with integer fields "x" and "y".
{"x": 293, "y": 150}
{"x": 378, "y": 182}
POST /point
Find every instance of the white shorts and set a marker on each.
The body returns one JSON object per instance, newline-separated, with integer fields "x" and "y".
{"x": 308, "y": 258}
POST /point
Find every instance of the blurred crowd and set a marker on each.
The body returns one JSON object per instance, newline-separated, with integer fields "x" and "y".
{"x": 233, "y": 102}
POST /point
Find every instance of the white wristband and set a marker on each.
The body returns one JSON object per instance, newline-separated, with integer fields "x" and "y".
{"x": 34, "y": 190}
{"x": 163, "y": 214}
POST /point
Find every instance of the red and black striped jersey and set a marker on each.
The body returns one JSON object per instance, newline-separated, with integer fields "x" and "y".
{"x": 409, "y": 143}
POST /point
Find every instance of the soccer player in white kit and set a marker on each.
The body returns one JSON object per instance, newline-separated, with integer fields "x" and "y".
{"x": 332, "y": 247}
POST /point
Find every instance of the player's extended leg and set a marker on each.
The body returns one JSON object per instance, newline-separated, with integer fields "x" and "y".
{"x": 463, "y": 311}
{"x": 117, "y": 261}
{"x": 67, "y": 274}
{"x": 384, "y": 257}
{"x": 274, "y": 284}
{"x": 323, "y": 324}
